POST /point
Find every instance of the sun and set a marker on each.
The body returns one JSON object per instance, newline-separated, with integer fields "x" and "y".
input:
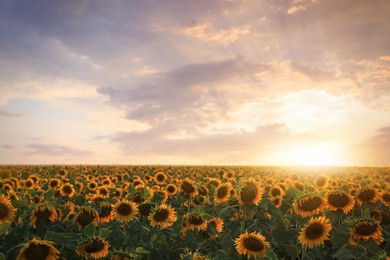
{"x": 325, "y": 154}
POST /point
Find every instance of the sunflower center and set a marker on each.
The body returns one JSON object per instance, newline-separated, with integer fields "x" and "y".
{"x": 310, "y": 204}
{"x": 365, "y": 229}
{"x": 321, "y": 181}
{"x": 338, "y": 200}
{"x": 314, "y": 231}
{"x": 160, "y": 177}
{"x": 386, "y": 197}
{"x": 104, "y": 192}
{"x": 35, "y": 251}
{"x": 85, "y": 218}
{"x": 92, "y": 185}
{"x": 67, "y": 189}
{"x": 171, "y": 189}
{"x": 94, "y": 246}
{"x": 275, "y": 192}
{"x": 366, "y": 195}
{"x": 187, "y": 187}
{"x": 161, "y": 215}
{"x": 195, "y": 220}
{"x": 28, "y": 183}
{"x": 53, "y": 184}
{"x": 212, "y": 223}
{"x": 106, "y": 211}
{"x": 253, "y": 244}
{"x": 222, "y": 191}
{"x": 3, "y": 211}
{"x": 124, "y": 209}
{"x": 249, "y": 193}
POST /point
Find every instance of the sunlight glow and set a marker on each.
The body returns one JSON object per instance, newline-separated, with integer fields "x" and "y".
{"x": 313, "y": 155}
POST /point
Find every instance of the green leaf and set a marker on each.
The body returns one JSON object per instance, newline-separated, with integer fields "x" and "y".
{"x": 66, "y": 239}
{"x": 4, "y": 228}
{"x": 270, "y": 254}
{"x": 222, "y": 255}
{"x": 370, "y": 245}
{"x": 349, "y": 252}
{"x": 145, "y": 193}
{"x": 159, "y": 239}
{"x": 285, "y": 237}
{"x": 141, "y": 250}
{"x": 104, "y": 232}
{"x": 292, "y": 250}
{"x": 170, "y": 232}
{"x": 2, "y": 256}
{"x": 227, "y": 212}
{"x": 90, "y": 230}
{"x": 249, "y": 209}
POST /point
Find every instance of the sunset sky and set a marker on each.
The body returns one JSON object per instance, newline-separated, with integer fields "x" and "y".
{"x": 249, "y": 82}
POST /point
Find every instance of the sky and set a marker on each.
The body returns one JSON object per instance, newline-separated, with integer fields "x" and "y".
{"x": 222, "y": 82}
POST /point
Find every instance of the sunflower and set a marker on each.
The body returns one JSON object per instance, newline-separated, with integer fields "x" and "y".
{"x": 187, "y": 187}
{"x": 309, "y": 205}
{"x": 250, "y": 192}
{"x": 213, "y": 182}
{"x": 276, "y": 192}
{"x": 38, "y": 249}
{"x": 160, "y": 178}
{"x": 145, "y": 208}
{"x": 7, "y": 211}
{"x": 86, "y": 216}
{"x": 222, "y": 192}
{"x": 105, "y": 212}
{"x": 217, "y": 223}
{"x": 104, "y": 191}
{"x": 92, "y": 185}
{"x": 162, "y": 216}
{"x": 277, "y": 201}
{"x": 67, "y": 190}
{"x": 54, "y": 183}
{"x": 121, "y": 256}
{"x": 385, "y": 198}
{"x": 252, "y": 245}
{"x": 95, "y": 248}
{"x": 124, "y": 210}
{"x": 365, "y": 229}
{"x": 171, "y": 189}
{"x": 340, "y": 200}
{"x": 29, "y": 184}
{"x": 368, "y": 195}
{"x": 315, "y": 232}
{"x": 195, "y": 221}
{"x": 321, "y": 181}
{"x": 43, "y": 213}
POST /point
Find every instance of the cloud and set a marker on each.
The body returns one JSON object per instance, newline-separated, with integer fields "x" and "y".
{"x": 374, "y": 151}
{"x": 4, "y": 113}
{"x": 54, "y": 150}
{"x": 202, "y": 32}
{"x": 7, "y": 146}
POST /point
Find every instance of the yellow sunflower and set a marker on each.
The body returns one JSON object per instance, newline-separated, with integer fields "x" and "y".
{"x": 276, "y": 192}
{"x": 162, "y": 216}
{"x": 67, "y": 190}
{"x": 187, "y": 187}
{"x": 309, "y": 205}
{"x": 124, "y": 210}
{"x": 366, "y": 228}
{"x": 43, "y": 213}
{"x": 54, "y": 183}
{"x": 251, "y": 245}
{"x": 95, "y": 248}
{"x": 250, "y": 192}
{"x": 105, "y": 212}
{"x": 385, "y": 198}
{"x": 195, "y": 221}
{"x": 86, "y": 216}
{"x": 217, "y": 223}
{"x": 315, "y": 232}
{"x": 367, "y": 195}
{"x": 38, "y": 249}
{"x": 340, "y": 200}
{"x": 7, "y": 211}
{"x": 160, "y": 178}
{"x": 222, "y": 192}
{"x": 171, "y": 189}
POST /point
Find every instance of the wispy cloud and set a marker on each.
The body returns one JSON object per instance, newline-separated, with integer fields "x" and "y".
{"x": 4, "y": 113}
{"x": 54, "y": 150}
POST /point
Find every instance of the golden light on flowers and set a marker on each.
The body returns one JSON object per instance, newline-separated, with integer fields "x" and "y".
{"x": 54, "y": 183}
{"x": 367, "y": 195}
{"x": 217, "y": 223}
{"x": 187, "y": 187}
{"x": 365, "y": 229}
{"x": 222, "y": 192}
{"x": 125, "y": 210}
{"x": 7, "y": 211}
{"x": 67, "y": 190}
{"x": 160, "y": 178}
{"x": 315, "y": 232}
{"x": 162, "y": 216}
{"x": 250, "y": 192}
{"x": 309, "y": 205}
{"x": 105, "y": 214}
{"x": 195, "y": 221}
{"x": 276, "y": 192}
{"x": 93, "y": 249}
{"x": 43, "y": 213}
{"x": 385, "y": 198}
{"x": 171, "y": 189}
{"x": 340, "y": 200}
{"x": 38, "y": 249}
{"x": 251, "y": 245}
{"x": 86, "y": 216}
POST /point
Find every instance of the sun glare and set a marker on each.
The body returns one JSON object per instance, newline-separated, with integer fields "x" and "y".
{"x": 313, "y": 155}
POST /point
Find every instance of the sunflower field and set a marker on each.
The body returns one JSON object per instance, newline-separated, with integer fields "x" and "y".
{"x": 193, "y": 212}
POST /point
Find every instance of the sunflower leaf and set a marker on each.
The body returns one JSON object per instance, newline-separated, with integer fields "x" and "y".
{"x": 142, "y": 251}
{"x": 270, "y": 254}
{"x": 249, "y": 209}
{"x": 349, "y": 252}
{"x": 4, "y": 228}
{"x": 292, "y": 250}
{"x": 2, "y": 257}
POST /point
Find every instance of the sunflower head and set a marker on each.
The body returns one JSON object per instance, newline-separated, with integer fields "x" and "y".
{"x": 95, "y": 248}
{"x": 86, "y": 216}
{"x": 367, "y": 195}
{"x": 315, "y": 232}
{"x": 7, "y": 211}
{"x": 365, "y": 229}
{"x": 67, "y": 190}
{"x": 309, "y": 205}
{"x": 222, "y": 192}
{"x": 38, "y": 249}
{"x": 171, "y": 189}
{"x": 160, "y": 178}
{"x": 43, "y": 213}
{"x": 187, "y": 187}
{"x": 162, "y": 216}
{"x": 124, "y": 210}
{"x": 217, "y": 223}
{"x": 339, "y": 200}
{"x": 251, "y": 245}
{"x": 195, "y": 221}
{"x": 105, "y": 212}
{"x": 250, "y": 192}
